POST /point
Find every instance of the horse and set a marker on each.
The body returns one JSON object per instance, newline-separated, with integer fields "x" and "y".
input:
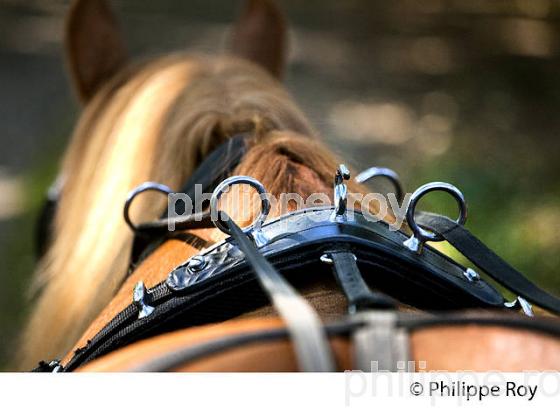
{"x": 158, "y": 120}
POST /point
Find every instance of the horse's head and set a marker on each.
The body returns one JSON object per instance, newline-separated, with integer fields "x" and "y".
{"x": 156, "y": 120}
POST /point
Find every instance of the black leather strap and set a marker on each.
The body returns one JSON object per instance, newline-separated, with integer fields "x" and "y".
{"x": 199, "y": 220}
{"x": 216, "y": 167}
{"x": 487, "y": 260}
{"x": 357, "y": 292}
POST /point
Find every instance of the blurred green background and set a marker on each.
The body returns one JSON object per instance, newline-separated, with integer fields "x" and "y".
{"x": 464, "y": 91}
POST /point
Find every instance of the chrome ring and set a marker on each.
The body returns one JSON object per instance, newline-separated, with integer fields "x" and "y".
{"x": 422, "y": 234}
{"x": 146, "y": 186}
{"x": 388, "y": 173}
{"x": 236, "y": 180}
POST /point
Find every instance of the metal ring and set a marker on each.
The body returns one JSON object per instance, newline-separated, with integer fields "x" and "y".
{"x": 146, "y": 186}
{"x": 422, "y": 234}
{"x": 388, "y": 173}
{"x": 236, "y": 180}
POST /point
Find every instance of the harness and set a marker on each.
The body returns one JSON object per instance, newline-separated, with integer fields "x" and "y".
{"x": 374, "y": 265}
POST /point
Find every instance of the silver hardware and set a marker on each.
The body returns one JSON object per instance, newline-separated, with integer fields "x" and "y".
{"x": 254, "y": 230}
{"x": 220, "y": 256}
{"x": 419, "y": 235}
{"x": 521, "y": 303}
{"x": 55, "y": 366}
{"x": 139, "y": 296}
{"x": 326, "y": 258}
{"x": 471, "y": 275}
{"x": 184, "y": 275}
{"x": 340, "y": 191}
{"x": 388, "y": 173}
{"x": 179, "y": 278}
{"x": 197, "y": 263}
{"x": 146, "y": 186}
{"x": 526, "y": 307}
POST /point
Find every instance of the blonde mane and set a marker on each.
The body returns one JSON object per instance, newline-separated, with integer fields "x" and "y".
{"x": 153, "y": 122}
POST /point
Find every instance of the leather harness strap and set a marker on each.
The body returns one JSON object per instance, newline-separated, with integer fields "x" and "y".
{"x": 483, "y": 257}
{"x": 302, "y": 321}
{"x": 217, "y": 166}
{"x": 350, "y": 279}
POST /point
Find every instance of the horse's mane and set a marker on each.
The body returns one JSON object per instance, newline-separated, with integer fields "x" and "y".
{"x": 154, "y": 122}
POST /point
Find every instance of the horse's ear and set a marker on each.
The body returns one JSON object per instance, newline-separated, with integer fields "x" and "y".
{"x": 260, "y": 35}
{"x": 94, "y": 45}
